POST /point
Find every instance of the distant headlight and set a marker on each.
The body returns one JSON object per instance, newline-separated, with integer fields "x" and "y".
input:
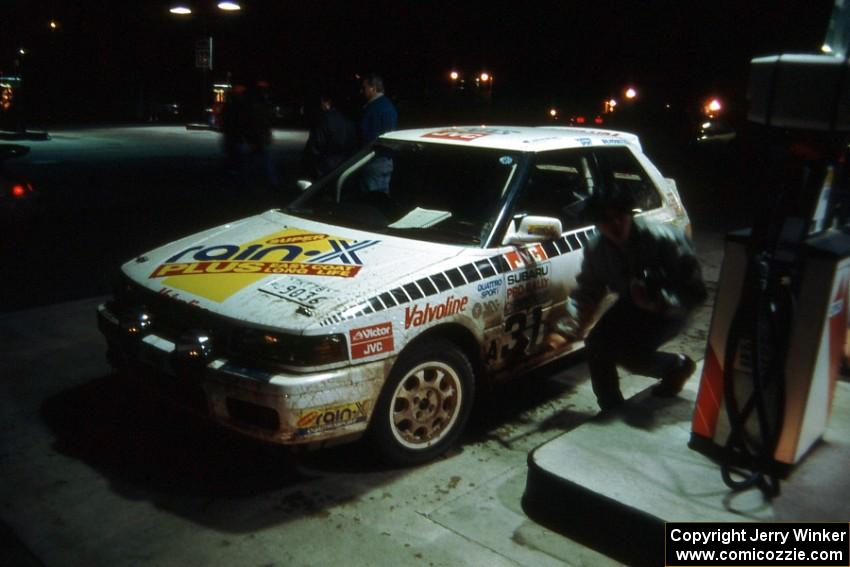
{"x": 292, "y": 350}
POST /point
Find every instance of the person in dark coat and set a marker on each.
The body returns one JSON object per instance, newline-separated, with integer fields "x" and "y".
{"x": 653, "y": 269}
{"x": 379, "y": 113}
{"x": 235, "y": 119}
{"x": 379, "y": 116}
{"x": 259, "y": 132}
{"x": 331, "y": 141}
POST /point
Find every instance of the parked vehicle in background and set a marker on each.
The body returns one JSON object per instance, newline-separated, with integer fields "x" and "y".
{"x": 17, "y": 195}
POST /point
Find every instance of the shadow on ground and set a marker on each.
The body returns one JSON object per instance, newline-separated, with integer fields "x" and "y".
{"x": 152, "y": 451}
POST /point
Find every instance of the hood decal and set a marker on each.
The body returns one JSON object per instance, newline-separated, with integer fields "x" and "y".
{"x": 217, "y": 270}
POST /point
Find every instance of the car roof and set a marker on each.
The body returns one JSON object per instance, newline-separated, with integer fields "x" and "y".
{"x": 517, "y": 138}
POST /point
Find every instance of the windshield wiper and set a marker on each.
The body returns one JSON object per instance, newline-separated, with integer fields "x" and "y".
{"x": 298, "y": 210}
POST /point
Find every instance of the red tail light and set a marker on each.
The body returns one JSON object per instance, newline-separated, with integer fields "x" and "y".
{"x": 598, "y": 120}
{"x": 18, "y": 191}
{"x": 579, "y": 119}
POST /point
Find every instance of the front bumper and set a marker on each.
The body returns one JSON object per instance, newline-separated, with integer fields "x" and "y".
{"x": 280, "y": 407}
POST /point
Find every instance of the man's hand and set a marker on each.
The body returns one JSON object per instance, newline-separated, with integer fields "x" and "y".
{"x": 640, "y": 297}
{"x": 564, "y": 331}
{"x": 555, "y": 341}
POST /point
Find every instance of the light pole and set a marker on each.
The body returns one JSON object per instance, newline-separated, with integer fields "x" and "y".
{"x": 204, "y": 45}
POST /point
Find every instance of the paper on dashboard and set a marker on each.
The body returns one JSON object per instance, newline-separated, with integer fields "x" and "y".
{"x": 421, "y": 218}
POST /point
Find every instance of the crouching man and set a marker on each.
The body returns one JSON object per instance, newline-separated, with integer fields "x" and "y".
{"x": 653, "y": 269}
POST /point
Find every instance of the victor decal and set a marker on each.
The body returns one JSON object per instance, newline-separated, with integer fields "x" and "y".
{"x": 370, "y": 341}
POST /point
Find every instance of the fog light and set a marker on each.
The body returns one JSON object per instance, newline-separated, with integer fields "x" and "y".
{"x": 194, "y": 346}
{"x": 136, "y": 323}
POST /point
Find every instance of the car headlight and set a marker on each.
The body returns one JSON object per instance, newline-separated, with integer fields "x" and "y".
{"x": 293, "y": 350}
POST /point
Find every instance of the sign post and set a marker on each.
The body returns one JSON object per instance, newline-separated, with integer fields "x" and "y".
{"x": 204, "y": 53}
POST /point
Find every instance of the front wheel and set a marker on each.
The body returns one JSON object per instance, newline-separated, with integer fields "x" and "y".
{"x": 424, "y": 404}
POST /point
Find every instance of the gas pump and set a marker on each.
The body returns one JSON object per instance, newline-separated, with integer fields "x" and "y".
{"x": 780, "y": 319}
{"x": 10, "y": 88}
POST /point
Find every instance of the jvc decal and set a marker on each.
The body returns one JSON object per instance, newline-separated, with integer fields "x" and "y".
{"x": 371, "y": 341}
{"x": 527, "y": 256}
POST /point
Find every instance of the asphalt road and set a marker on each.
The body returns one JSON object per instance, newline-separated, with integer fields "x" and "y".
{"x": 106, "y": 194}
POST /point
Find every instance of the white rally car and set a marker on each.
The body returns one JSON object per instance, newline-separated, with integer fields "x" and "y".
{"x": 381, "y": 298}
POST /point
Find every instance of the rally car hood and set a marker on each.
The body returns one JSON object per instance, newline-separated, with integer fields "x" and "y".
{"x": 279, "y": 271}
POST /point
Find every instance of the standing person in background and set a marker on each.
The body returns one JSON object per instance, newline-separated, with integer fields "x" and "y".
{"x": 259, "y": 136}
{"x": 378, "y": 116}
{"x": 234, "y": 124}
{"x": 331, "y": 141}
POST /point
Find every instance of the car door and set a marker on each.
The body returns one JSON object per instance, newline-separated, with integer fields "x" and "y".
{"x": 541, "y": 275}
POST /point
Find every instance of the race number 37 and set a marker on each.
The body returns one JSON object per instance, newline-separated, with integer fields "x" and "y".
{"x": 523, "y": 331}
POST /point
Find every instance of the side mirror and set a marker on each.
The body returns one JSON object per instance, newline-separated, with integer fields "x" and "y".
{"x": 535, "y": 229}
{"x": 303, "y": 184}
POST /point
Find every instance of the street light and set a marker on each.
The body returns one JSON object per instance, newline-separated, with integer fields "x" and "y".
{"x": 186, "y": 9}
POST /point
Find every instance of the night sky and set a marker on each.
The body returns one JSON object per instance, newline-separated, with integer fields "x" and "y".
{"x": 109, "y": 59}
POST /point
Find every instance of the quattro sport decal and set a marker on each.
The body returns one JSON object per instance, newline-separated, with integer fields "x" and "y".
{"x": 217, "y": 271}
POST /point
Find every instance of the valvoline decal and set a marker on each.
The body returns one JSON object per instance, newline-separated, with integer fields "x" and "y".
{"x": 218, "y": 270}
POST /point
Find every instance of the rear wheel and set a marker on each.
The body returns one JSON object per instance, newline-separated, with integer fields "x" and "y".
{"x": 424, "y": 405}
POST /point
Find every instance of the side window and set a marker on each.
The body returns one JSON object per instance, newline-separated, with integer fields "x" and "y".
{"x": 618, "y": 167}
{"x": 557, "y": 185}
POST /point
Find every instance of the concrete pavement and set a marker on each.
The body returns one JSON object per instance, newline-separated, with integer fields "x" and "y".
{"x": 87, "y": 483}
{"x": 632, "y": 472}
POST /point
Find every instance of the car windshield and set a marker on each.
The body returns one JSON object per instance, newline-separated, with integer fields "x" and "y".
{"x": 433, "y": 192}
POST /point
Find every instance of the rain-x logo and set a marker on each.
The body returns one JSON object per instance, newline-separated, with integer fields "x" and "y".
{"x": 267, "y": 258}
{"x": 217, "y": 271}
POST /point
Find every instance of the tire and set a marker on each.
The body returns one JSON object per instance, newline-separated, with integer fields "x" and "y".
{"x": 424, "y": 405}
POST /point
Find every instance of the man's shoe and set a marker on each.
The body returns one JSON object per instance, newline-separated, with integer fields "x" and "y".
{"x": 609, "y": 404}
{"x": 673, "y": 383}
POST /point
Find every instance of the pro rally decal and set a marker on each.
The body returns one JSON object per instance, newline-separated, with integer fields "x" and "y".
{"x": 217, "y": 271}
